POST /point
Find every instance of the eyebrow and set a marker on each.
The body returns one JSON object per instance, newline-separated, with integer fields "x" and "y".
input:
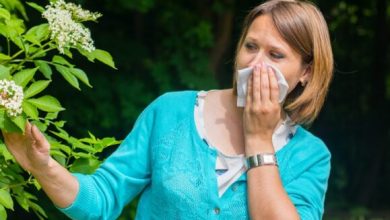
{"x": 272, "y": 46}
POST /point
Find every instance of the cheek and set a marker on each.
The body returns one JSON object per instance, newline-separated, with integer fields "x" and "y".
{"x": 292, "y": 77}
{"x": 243, "y": 60}
{"x": 292, "y": 83}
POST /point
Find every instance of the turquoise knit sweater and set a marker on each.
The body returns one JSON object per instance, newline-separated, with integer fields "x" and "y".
{"x": 165, "y": 160}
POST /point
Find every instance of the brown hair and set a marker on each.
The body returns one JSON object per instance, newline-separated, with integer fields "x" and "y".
{"x": 303, "y": 27}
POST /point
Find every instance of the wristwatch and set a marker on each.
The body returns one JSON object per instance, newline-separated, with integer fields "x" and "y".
{"x": 261, "y": 160}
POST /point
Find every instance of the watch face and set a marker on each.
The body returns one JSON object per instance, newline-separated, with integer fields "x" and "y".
{"x": 267, "y": 158}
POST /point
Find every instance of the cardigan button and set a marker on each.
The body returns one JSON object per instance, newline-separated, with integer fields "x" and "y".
{"x": 217, "y": 211}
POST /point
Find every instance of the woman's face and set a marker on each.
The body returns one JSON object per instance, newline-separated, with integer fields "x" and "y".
{"x": 263, "y": 43}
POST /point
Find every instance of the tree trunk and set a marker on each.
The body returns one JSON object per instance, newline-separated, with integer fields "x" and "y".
{"x": 224, "y": 28}
{"x": 378, "y": 139}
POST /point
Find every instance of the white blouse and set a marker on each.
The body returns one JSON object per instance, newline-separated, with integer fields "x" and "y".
{"x": 229, "y": 168}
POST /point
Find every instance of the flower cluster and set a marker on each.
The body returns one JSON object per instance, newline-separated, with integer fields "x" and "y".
{"x": 65, "y": 25}
{"x": 11, "y": 97}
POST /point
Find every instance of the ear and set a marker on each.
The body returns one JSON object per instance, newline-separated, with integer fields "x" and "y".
{"x": 306, "y": 75}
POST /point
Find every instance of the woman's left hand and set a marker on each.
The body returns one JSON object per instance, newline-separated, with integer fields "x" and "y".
{"x": 262, "y": 111}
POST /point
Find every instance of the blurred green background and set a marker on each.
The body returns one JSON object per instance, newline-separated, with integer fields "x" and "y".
{"x": 167, "y": 45}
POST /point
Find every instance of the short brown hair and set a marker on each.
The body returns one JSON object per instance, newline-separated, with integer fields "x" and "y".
{"x": 303, "y": 27}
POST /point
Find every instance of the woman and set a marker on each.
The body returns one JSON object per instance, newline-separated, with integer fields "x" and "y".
{"x": 187, "y": 152}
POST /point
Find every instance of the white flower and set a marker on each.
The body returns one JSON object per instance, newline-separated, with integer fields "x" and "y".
{"x": 65, "y": 25}
{"x": 11, "y": 97}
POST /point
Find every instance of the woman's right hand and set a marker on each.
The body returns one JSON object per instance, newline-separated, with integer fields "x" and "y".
{"x": 31, "y": 149}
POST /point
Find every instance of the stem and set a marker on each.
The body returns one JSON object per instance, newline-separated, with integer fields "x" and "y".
{"x": 17, "y": 184}
{"x": 43, "y": 51}
{"x": 26, "y": 61}
{"x": 29, "y": 59}
{"x": 8, "y": 46}
{"x": 16, "y": 54}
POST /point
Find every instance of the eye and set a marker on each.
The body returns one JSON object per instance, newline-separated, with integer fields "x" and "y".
{"x": 277, "y": 55}
{"x": 251, "y": 47}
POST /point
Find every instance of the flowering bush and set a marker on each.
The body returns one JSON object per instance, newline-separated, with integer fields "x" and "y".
{"x": 11, "y": 97}
{"x": 27, "y": 61}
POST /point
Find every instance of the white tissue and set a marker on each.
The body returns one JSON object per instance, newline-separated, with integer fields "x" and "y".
{"x": 242, "y": 81}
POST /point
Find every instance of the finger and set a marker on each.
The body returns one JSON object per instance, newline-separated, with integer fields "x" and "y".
{"x": 274, "y": 87}
{"x": 38, "y": 137}
{"x": 249, "y": 91}
{"x": 265, "y": 94}
{"x": 27, "y": 130}
{"x": 256, "y": 84}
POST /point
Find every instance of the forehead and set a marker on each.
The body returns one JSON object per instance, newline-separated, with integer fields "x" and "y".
{"x": 263, "y": 30}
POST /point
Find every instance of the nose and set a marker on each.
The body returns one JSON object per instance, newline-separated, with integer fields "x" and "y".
{"x": 258, "y": 58}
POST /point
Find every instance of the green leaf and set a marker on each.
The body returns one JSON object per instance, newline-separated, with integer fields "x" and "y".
{"x": 60, "y": 60}
{"x": 59, "y": 123}
{"x": 36, "y": 88}
{"x": 60, "y": 160}
{"x": 104, "y": 57}
{"x": 36, "y": 6}
{"x": 104, "y": 143}
{"x": 89, "y": 141}
{"x": 85, "y": 165}
{"x": 33, "y": 50}
{"x": 6, "y": 154}
{"x": 38, "y": 210}
{"x": 2, "y": 118}
{"x": 36, "y": 184}
{"x": 30, "y": 110}
{"x": 55, "y": 152}
{"x": 13, "y": 30}
{"x": 4, "y": 57}
{"x": 38, "y": 33}
{"x": 68, "y": 53}
{"x": 23, "y": 77}
{"x": 44, "y": 68}
{"x": 64, "y": 148}
{"x": 9, "y": 125}
{"x": 22, "y": 202}
{"x": 4, "y": 13}
{"x": 19, "y": 121}
{"x": 81, "y": 75}
{"x": 86, "y": 54}
{"x": 51, "y": 115}
{"x": 61, "y": 134}
{"x": 78, "y": 155}
{"x": 15, "y": 5}
{"x": 47, "y": 103}
{"x": 6, "y": 200}
{"x": 109, "y": 141}
{"x": 68, "y": 76}
{"x": 79, "y": 145}
{"x": 4, "y": 72}
{"x": 3, "y": 213}
{"x": 41, "y": 126}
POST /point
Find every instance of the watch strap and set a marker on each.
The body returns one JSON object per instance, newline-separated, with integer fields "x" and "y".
{"x": 261, "y": 160}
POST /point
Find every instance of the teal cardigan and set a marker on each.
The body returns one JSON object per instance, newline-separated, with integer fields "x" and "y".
{"x": 165, "y": 160}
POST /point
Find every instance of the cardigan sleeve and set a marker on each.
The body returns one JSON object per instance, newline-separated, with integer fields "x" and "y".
{"x": 308, "y": 188}
{"x": 122, "y": 176}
